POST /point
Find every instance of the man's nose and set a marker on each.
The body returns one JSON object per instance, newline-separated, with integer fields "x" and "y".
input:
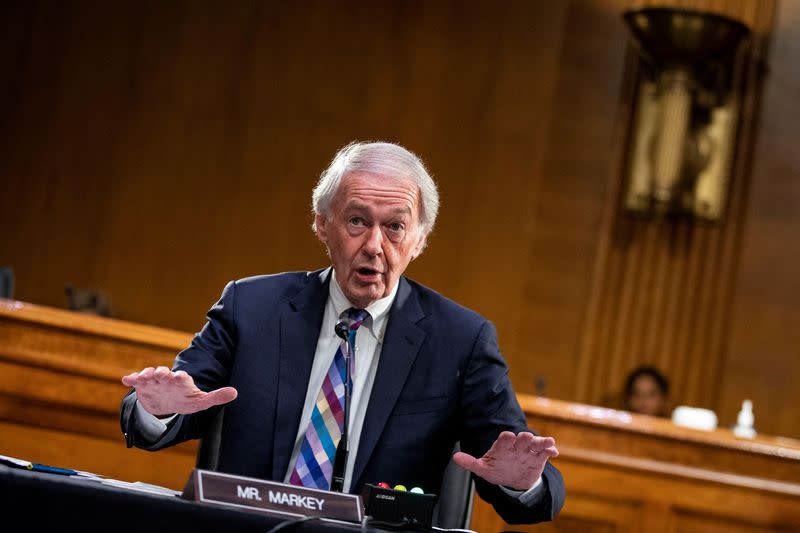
{"x": 373, "y": 245}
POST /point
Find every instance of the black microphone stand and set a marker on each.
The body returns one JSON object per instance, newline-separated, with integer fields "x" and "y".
{"x": 343, "y": 449}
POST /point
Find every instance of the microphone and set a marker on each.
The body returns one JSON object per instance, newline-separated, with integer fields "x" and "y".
{"x": 342, "y": 330}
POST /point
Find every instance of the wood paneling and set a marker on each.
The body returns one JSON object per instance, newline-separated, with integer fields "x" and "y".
{"x": 158, "y": 151}
{"x": 663, "y": 291}
{"x": 663, "y": 294}
{"x": 763, "y": 360}
{"x": 60, "y": 391}
{"x": 579, "y": 158}
{"x": 168, "y": 468}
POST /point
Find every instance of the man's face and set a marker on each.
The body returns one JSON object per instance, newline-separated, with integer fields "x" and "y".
{"x": 372, "y": 235}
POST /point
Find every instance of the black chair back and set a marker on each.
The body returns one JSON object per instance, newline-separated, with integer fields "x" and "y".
{"x": 208, "y": 452}
{"x": 454, "y": 509}
{"x": 6, "y": 282}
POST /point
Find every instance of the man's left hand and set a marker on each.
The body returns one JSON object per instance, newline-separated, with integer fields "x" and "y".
{"x": 514, "y": 461}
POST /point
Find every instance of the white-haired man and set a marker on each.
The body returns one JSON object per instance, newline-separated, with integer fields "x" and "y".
{"x": 427, "y": 373}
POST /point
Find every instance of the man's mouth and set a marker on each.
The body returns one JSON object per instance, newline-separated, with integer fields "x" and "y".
{"x": 368, "y": 273}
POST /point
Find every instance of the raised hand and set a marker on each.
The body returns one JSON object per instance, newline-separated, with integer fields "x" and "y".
{"x": 514, "y": 461}
{"x": 163, "y": 392}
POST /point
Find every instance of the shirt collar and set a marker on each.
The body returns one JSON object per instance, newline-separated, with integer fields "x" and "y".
{"x": 378, "y": 310}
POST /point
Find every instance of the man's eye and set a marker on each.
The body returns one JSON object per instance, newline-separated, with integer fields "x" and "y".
{"x": 396, "y": 226}
{"x": 356, "y": 221}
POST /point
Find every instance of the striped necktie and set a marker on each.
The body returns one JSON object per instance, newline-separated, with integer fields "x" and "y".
{"x": 314, "y": 466}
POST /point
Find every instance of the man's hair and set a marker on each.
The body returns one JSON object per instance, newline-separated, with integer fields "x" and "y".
{"x": 382, "y": 158}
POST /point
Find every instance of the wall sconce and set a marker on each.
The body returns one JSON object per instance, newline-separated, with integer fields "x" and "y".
{"x": 687, "y": 106}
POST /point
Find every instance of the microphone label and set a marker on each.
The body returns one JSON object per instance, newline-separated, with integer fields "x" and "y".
{"x": 280, "y": 499}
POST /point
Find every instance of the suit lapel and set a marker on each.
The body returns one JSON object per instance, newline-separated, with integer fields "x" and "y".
{"x": 300, "y": 324}
{"x": 401, "y": 345}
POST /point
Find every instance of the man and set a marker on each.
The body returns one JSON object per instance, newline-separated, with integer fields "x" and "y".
{"x": 426, "y": 372}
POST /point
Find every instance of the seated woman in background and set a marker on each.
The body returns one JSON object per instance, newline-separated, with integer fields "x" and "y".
{"x": 646, "y": 391}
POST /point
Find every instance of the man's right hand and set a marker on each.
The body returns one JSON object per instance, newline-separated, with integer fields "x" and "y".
{"x": 162, "y": 392}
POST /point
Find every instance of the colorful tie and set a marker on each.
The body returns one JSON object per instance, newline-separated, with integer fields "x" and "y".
{"x": 314, "y": 466}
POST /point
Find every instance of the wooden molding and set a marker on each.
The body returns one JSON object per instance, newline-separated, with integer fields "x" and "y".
{"x": 93, "y": 325}
{"x": 591, "y": 415}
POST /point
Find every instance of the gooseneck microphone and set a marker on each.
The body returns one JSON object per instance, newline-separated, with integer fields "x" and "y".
{"x": 342, "y": 329}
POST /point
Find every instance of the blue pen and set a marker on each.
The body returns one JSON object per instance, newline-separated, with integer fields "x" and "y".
{"x": 37, "y": 467}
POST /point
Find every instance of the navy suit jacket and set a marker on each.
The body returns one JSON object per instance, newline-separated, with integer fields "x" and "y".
{"x": 440, "y": 379}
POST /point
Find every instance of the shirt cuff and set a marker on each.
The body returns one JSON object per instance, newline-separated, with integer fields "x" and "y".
{"x": 150, "y": 427}
{"x": 528, "y": 497}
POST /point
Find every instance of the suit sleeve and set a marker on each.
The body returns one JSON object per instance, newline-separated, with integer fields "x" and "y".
{"x": 208, "y": 359}
{"x": 489, "y": 407}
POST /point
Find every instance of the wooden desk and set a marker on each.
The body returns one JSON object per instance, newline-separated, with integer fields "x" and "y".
{"x": 627, "y": 472}
{"x": 74, "y": 504}
{"x": 60, "y": 391}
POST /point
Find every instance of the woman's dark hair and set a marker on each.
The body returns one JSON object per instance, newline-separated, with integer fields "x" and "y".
{"x": 650, "y": 371}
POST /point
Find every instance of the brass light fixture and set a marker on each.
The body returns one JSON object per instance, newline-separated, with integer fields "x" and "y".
{"x": 686, "y": 116}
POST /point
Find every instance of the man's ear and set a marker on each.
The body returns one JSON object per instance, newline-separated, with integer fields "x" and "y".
{"x": 420, "y": 245}
{"x": 321, "y": 228}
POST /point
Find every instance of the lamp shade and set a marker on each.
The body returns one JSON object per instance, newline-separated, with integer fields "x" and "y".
{"x": 679, "y": 37}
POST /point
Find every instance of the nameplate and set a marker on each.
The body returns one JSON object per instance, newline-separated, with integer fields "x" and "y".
{"x": 273, "y": 498}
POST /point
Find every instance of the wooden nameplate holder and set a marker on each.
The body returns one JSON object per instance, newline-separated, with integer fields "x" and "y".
{"x": 269, "y": 497}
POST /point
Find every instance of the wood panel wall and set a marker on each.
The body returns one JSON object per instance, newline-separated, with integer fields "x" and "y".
{"x": 662, "y": 288}
{"x": 157, "y": 150}
{"x": 763, "y": 356}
